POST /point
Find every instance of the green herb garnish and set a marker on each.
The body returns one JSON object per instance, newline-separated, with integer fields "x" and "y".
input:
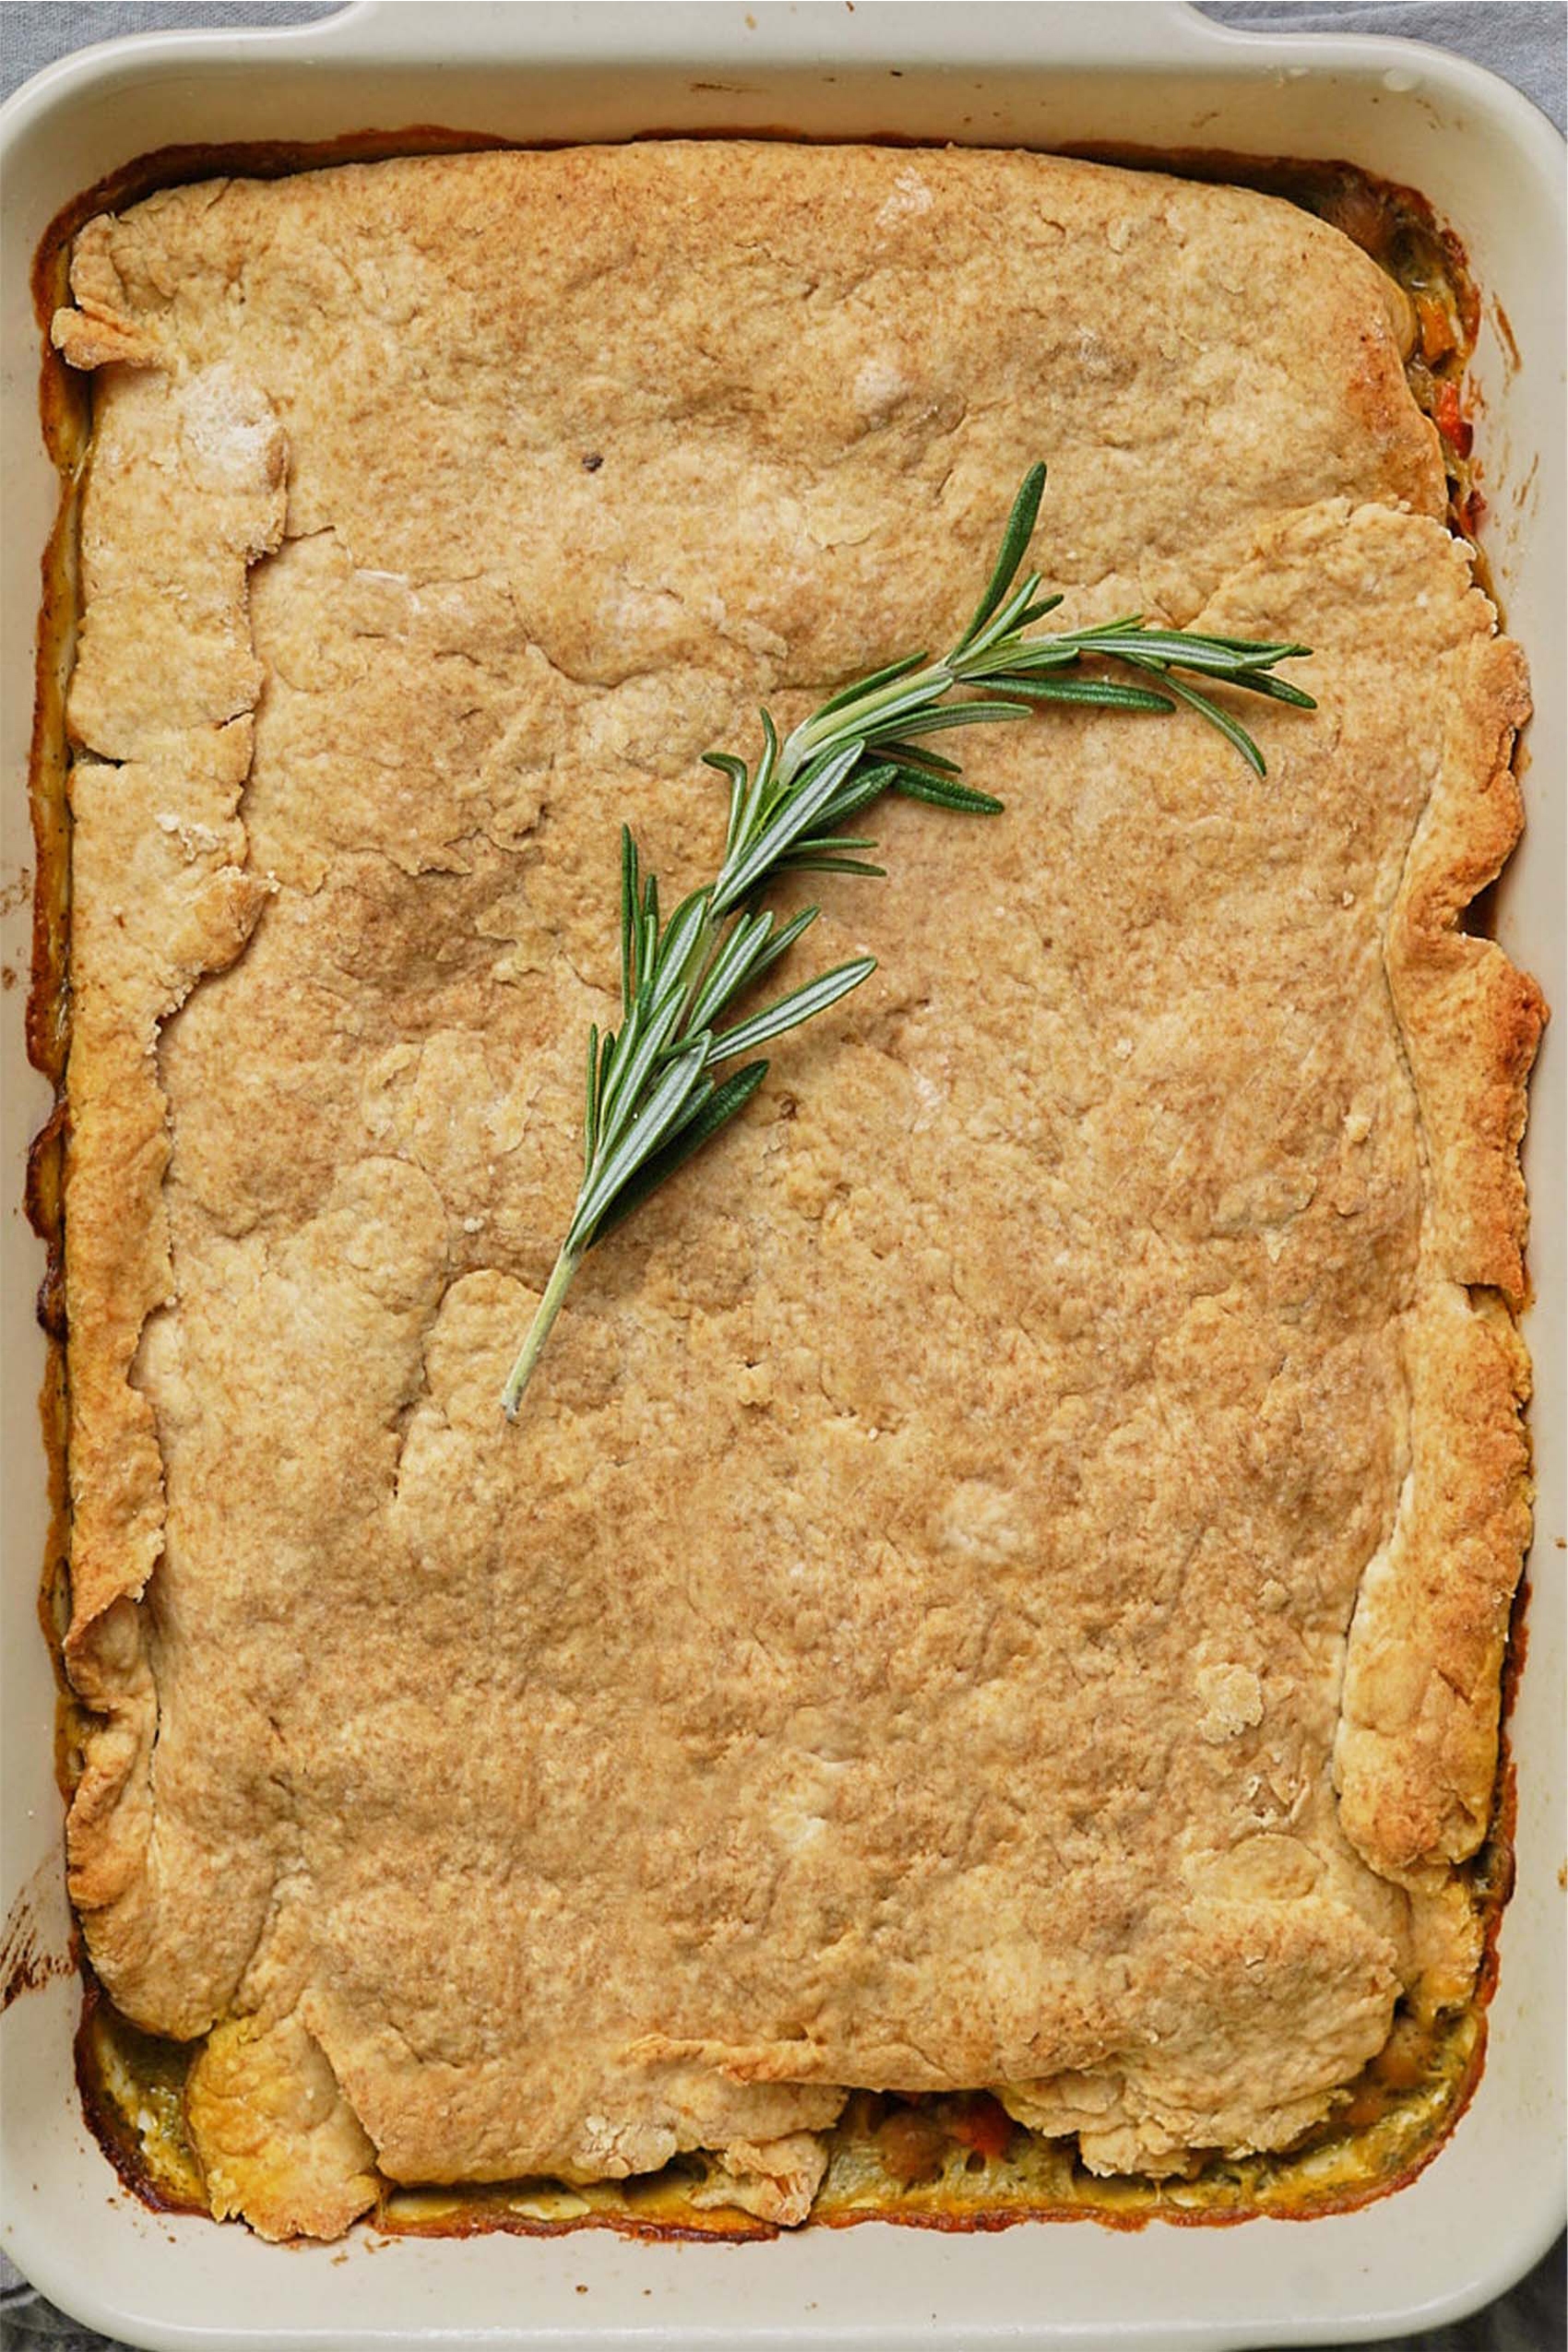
{"x": 651, "y": 1099}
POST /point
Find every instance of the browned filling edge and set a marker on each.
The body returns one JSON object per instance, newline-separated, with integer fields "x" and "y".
{"x": 955, "y": 2161}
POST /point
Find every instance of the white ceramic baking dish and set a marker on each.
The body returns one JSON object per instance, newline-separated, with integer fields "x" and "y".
{"x": 1040, "y": 76}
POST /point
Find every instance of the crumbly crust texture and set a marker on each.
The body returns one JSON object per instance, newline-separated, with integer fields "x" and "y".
{"x": 1003, "y": 1574}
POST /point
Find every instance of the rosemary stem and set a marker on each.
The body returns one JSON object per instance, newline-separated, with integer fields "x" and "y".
{"x": 864, "y": 711}
{"x": 650, "y": 1101}
{"x": 549, "y": 1307}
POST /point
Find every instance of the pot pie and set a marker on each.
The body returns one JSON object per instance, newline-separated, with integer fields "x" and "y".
{"x": 1002, "y": 1578}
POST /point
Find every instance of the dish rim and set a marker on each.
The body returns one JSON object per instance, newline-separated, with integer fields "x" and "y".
{"x": 990, "y": 37}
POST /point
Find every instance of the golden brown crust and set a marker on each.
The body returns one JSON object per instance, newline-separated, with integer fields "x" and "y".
{"x": 1416, "y": 1752}
{"x": 1472, "y": 1020}
{"x": 904, "y": 1644}
{"x": 280, "y": 2143}
{"x": 164, "y": 681}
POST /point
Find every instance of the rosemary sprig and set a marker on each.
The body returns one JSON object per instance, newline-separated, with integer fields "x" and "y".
{"x": 650, "y": 1099}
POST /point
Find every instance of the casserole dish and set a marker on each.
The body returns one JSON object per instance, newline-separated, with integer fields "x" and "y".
{"x": 828, "y": 2280}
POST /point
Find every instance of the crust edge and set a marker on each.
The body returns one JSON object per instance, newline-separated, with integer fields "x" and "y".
{"x": 161, "y": 883}
{"x": 1416, "y": 1751}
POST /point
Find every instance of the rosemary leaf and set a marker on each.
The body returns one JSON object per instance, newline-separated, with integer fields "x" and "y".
{"x": 831, "y": 841}
{"x": 811, "y": 861}
{"x": 793, "y": 816}
{"x": 591, "y": 1109}
{"x": 1108, "y": 693}
{"x": 681, "y": 935}
{"x": 739, "y": 958}
{"x": 1230, "y": 728}
{"x": 640, "y": 1046}
{"x": 953, "y": 714}
{"x": 688, "y": 1138}
{"x": 789, "y": 1012}
{"x": 921, "y": 756}
{"x": 786, "y": 939}
{"x": 1016, "y": 534}
{"x": 641, "y": 1139}
{"x": 631, "y": 898}
{"x": 1275, "y": 689}
{"x": 865, "y": 784}
{"x": 944, "y": 793}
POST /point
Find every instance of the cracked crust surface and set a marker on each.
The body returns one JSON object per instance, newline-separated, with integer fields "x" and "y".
{"x": 1003, "y": 1575}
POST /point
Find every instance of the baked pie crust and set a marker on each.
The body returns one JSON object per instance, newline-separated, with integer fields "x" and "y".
{"x": 1004, "y": 1573}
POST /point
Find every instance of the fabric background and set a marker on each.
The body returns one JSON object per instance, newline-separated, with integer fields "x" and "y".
{"x": 1527, "y": 43}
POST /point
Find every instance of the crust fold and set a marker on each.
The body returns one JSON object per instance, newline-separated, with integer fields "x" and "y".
{"x": 276, "y": 2140}
{"x": 161, "y": 895}
{"x": 1470, "y": 1020}
{"x": 1416, "y": 1749}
